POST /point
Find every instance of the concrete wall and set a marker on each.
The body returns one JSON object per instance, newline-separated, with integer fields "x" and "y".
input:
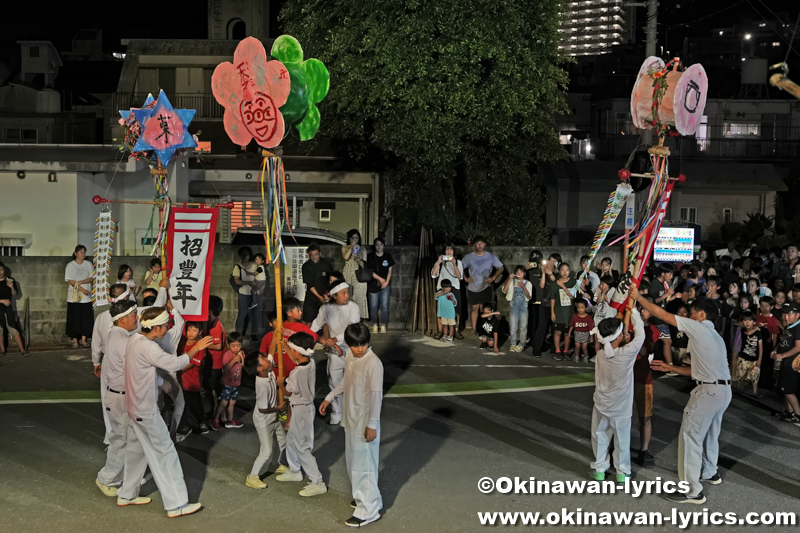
{"x": 45, "y": 291}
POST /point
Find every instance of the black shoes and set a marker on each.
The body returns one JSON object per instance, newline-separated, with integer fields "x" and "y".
{"x": 682, "y": 498}
{"x": 713, "y": 480}
{"x": 645, "y": 459}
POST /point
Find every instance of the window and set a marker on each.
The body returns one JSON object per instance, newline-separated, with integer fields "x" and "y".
{"x": 34, "y": 51}
{"x": 11, "y": 251}
{"x": 248, "y": 214}
{"x": 727, "y": 215}
{"x": 689, "y": 214}
{"x": 739, "y": 129}
{"x": 16, "y": 135}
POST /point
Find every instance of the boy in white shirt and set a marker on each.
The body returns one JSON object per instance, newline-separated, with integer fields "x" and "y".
{"x": 300, "y": 387}
{"x": 265, "y": 418}
{"x": 362, "y": 390}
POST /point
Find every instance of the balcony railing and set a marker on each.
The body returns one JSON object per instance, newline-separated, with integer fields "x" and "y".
{"x": 616, "y": 146}
{"x": 205, "y": 104}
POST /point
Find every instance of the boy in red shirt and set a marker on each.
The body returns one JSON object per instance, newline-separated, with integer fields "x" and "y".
{"x": 766, "y": 319}
{"x": 213, "y": 376}
{"x": 293, "y": 314}
{"x": 232, "y": 364}
{"x": 193, "y": 417}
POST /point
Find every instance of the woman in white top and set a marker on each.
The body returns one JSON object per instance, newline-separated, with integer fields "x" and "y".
{"x": 448, "y": 267}
{"x": 80, "y": 317}
{"x": 244, "y": 277}
{"x": 355, "y": 255}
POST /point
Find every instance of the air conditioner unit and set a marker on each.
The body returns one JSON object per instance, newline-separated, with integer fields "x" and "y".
{"x": 324, "y": 215}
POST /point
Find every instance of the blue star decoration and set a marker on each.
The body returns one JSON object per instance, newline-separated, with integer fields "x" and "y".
{"x": 126, "y": 113}
{"x": 164, "y": 129}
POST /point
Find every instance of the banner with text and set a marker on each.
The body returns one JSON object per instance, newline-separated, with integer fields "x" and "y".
{"x": 191, "y": 235}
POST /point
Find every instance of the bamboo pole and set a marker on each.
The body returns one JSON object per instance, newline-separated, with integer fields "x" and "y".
{"x": 279, "y": 327}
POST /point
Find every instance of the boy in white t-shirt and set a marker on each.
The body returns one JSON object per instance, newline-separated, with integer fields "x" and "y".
{"x": 362, "y": 390}
{"x": 265, "y": 418}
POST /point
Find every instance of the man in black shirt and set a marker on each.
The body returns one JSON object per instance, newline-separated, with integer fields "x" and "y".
{"x": 315, "y": 272}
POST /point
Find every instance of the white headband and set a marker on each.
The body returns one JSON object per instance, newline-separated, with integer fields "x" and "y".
{"x": 340, "y": 287}
{"x": 606, "y": 341}
{"x": 302, "y": 351}
{"x": 130, "y": 310}
{"x": 271, "y": 359}
{"x": 160, "y": 320}
{"x": 120, "y": 297}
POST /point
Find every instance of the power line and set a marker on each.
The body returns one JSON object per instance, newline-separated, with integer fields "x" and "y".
{"x": 781, "y": 37}
{"x": 707, "y": 16}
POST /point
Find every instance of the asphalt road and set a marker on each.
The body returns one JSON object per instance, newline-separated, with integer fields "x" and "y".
{"x": 452, "y": 414}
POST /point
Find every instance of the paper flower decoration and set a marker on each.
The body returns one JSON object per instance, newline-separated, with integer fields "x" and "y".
{"x": 162, "y": 128}
{"x": 310, "y": 85}
{"x": 252, "y": 90}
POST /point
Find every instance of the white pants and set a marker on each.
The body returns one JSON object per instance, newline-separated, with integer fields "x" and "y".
{"x": 698, "y": 444}
{"x": 149, "y": 444}
{"x": 106, "y": 421}
{"x": 269, "y": 429}
{"x": 170, "y": 385}
{"x": 362, "y": 468}
{"x": 114, "y": 408}
{"x": 300, "y": 442}
{"x": 335, "y": 376}
{"x": 603, "y": 430}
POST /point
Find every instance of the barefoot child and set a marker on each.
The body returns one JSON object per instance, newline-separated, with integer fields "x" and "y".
{"x": 265, "y": 419}
{"x": 362, "y": 390}
{"x": 300, "y": 387}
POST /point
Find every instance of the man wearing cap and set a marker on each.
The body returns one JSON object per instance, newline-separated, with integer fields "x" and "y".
{"x": 786, "y": 352}
{"x": 613, "y": 395}
{"x": 479, "y": 282}
{"x": 333, "y": 319}
{"x": 124, "y": 320}
{"x": 698, "y": 442}
{"x": 148, "y": 440}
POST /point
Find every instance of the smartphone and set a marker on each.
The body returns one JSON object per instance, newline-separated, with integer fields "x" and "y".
{"x": 447, "y": 258}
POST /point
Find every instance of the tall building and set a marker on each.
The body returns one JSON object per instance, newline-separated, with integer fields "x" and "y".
{"x": 592, "y": 27}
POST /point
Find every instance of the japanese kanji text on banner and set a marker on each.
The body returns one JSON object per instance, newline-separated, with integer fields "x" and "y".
{"x": 190, "y": 251}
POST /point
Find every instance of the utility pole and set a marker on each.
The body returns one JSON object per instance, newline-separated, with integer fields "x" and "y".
{"x": 652, "y": 27}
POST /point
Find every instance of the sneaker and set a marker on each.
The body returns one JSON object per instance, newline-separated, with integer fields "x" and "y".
{"x": 233, "y": 424}
{"x": 383, "y": 329}
{"x": 282, "y": 469}
{"x": 290, "y": 476}
{"x": 254, "y": 482}
{"x": 576, "y": 359}
{"x": 333, "y": 422}
{"x": 687, "y": 361}
{"x": 537, "y": 354}
{"x": 252, "y": 305}
{"x": 374, "y": 328}
{"x": 557, "y": 355}
{"x": 585, "y": 359}
{"x": 353, "y": 504}
{"x": 516, "y": 348}
{"x": 645, "y": 459}
{"x": 592, "y": 359}
{"x": 448, "y": 339}
{"x": 598, "y": 476}
{"x": 716, "y": 479}
{"x": 622, "y": 477}
{"x": 682, "y": 498}
{"x": 792, "y": 419}
{"x": 215, "y": 425}
{"x": 671, "y": 374}
{"x": 359, "y": 522}
{"x": 314, "y": 489}
{"x": 484, "y": 345}
{"x": 141, "y": 500}
{"x": 203, "y": 429}
{"x": 180, "y": 437}
{"x": 105, "y": 489}
{"x": 189, "y": 508}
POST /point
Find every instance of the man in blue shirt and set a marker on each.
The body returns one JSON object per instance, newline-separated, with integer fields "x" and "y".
{"x": 480, "y": 279}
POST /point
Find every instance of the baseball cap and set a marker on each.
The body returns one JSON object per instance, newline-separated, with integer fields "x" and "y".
{"x": 791, "y": 307}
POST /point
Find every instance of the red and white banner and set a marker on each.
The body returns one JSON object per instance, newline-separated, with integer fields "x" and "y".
{"x": 191, "y": 235}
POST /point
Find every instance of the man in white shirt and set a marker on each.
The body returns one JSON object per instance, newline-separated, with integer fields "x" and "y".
{"x": 698, "y": 444}
{"x": 148, "y": 440}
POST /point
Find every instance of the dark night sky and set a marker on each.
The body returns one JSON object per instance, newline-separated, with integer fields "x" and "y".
{"x": 58, "y": 21}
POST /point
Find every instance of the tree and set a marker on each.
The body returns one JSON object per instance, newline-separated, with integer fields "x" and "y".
{"x": 458, "y": 95}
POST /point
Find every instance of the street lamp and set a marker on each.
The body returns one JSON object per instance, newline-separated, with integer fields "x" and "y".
{"x": 746, "y": 36}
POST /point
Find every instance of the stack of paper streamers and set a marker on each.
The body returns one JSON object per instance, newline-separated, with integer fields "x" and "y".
{"x": 615, "y": 204}
{"x": 162, "y": 202}
{"x": 275, "y": 207}
{"x": 103, "y": 249}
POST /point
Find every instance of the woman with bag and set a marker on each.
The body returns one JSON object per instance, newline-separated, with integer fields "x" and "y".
{"x": 379, "y": 289}
{"x": 355, "y": 257}
{"x": 80, "y": 316}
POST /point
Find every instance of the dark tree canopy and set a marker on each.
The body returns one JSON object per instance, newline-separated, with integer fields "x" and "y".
{"x": 458, "y": 95}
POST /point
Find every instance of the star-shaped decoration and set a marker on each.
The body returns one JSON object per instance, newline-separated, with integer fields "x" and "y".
{"x": 126, "y": 113}
{"x": 164, "y": 129}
